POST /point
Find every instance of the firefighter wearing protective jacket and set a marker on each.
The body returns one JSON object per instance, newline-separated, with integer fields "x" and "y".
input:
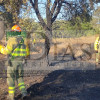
{"x": 97, "y": 49}
{"x": 17, "y": 51}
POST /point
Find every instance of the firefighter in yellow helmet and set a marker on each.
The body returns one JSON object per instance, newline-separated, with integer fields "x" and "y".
{"x": 97, "y": 49}
{"x": 17, "y": 51}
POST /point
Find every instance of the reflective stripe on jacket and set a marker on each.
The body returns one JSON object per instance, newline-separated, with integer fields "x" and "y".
{"x": 96, "y": 44}
{"x": 20, "y": 50}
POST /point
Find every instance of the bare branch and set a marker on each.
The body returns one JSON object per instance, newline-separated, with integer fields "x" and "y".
{"x": 57, "y": 11}
{"x": 48, "y": 13}
{"x": 91, "y": 3}
{"x": 35, "y": 6}
{"x": 54, "y": 7}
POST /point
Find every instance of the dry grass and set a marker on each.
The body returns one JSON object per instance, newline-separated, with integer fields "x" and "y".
{"x": 63, "y": 43}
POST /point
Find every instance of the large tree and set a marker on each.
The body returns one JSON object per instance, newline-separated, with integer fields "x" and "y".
{"x": 51, "y": 15}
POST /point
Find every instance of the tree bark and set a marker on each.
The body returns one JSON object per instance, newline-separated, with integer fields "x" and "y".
{"x": 48, "y": 40}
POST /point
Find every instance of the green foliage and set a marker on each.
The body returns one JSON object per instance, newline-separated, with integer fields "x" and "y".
{"x": 29, "y": 25}
{"x": 10, "y": 10}
{"x": 63, "y": 29}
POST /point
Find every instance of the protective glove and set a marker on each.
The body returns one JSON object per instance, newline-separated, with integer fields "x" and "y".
{"x": 1, "y": 48}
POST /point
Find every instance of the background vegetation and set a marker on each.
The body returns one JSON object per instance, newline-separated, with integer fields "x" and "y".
{"x": 79, "y": 18}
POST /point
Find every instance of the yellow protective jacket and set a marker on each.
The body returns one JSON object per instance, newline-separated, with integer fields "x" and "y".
{"x": 10, "y": 43}
{"x": 96, "y": 44}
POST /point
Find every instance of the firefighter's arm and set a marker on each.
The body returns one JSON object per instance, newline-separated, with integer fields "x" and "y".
{"x": 96, "y": 44}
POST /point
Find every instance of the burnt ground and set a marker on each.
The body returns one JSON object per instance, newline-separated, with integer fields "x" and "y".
{"x": 60, "y": 85}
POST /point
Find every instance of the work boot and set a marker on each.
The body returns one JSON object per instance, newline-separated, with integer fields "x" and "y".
{"x": 24, "y": 96}
{"x": 10, "y": 97}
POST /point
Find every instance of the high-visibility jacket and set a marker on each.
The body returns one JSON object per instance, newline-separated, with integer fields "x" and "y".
{"x": 20, "y": 50}
{"x": 96, "y": 44}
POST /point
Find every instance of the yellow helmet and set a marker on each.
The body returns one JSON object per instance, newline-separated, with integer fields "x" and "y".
{"x": 16, "y": 28}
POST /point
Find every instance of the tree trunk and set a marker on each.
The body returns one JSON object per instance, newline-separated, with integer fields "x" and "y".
{"x": 51, "y": 15}
{"x": 48, "y": 39}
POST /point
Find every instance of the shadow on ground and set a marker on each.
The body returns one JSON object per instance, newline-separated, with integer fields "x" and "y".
{"x": 67, "y": 85}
